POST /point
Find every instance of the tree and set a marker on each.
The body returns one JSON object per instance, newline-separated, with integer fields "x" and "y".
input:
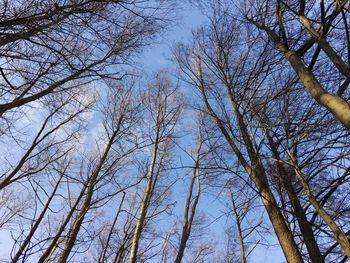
{"x": 298, "y": 131}
{"x": 50, "y": 47}
{"x": 300, "y": 31}
{"x": 120, "y": 117}
{"x": 164, "y": 107}
{"x": 210, "y": 67}
{"x": 191, "y": 201}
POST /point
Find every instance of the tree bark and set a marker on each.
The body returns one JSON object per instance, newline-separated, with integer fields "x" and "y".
{"x": 73, "y": 232}
{"x": 258, "y": 176}
{"x": 334, "y": 103}
{"x": 282, "y": 231}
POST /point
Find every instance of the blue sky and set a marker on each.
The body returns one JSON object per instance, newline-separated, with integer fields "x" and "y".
{"x": 156, "y": 56}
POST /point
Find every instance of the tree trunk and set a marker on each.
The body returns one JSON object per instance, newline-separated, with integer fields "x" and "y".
{"x": 325, "y": 46}
{"x": 239, "y": 230}
{"x": 45, "y": 256}
{"x": 73, "y": 232}
{"x": 190, "y": 211}
{"x": 257, "y": 174}
{"x": 144, "y": 206}
{"x": 104, "y": 251}
{"x": 282, "y": 231}
{"x": 334, "y": 103}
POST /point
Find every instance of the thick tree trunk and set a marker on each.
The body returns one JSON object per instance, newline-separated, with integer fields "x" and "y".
{"x": 257, "y": 174}
{"x": 304, "y": 225}
{"x": 326, "y": 47}
{"x": 334, "y": 103}
{"x": 282, "y": 231}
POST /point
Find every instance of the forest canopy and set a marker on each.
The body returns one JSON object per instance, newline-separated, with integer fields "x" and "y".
{"x": 235, "y": 147}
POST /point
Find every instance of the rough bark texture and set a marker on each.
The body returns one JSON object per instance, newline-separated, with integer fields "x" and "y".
{"x": 332, "y": 102}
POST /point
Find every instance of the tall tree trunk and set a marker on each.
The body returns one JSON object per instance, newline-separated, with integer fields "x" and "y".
{"x": 326, "y": 47}
{"x": 190, "y": 210}
{"x": 332, "y": 102}
{"x": 91, "y": 181}
{"x": 46, "y": 255}
{"x": 258, "y": 176}
{"x": 283, "y": 233}
{"x": 239, "y": 230}
{"x": 73, "y": 232}
{"x": 145, "y": 203}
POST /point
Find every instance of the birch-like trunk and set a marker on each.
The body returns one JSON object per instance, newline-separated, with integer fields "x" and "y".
{"x": 144, "y": 205}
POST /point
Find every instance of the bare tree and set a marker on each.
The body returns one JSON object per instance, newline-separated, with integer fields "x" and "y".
{"x": 210, "y": 67}
{"x": 164, "y": 107}
{"x": 243, "y": 204}
{"x": 300, "y": 31}
{"x": 119, "y": 119}
{"x": 105, "y": 248}
{"x": 191, "y": 201}
{"x": 38, "y": 221}
{"x": 292, "y": 148}
{"x": 51, "y": 47}
{"x": 95, "y": 157}
{"x": 55, "y": 137}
